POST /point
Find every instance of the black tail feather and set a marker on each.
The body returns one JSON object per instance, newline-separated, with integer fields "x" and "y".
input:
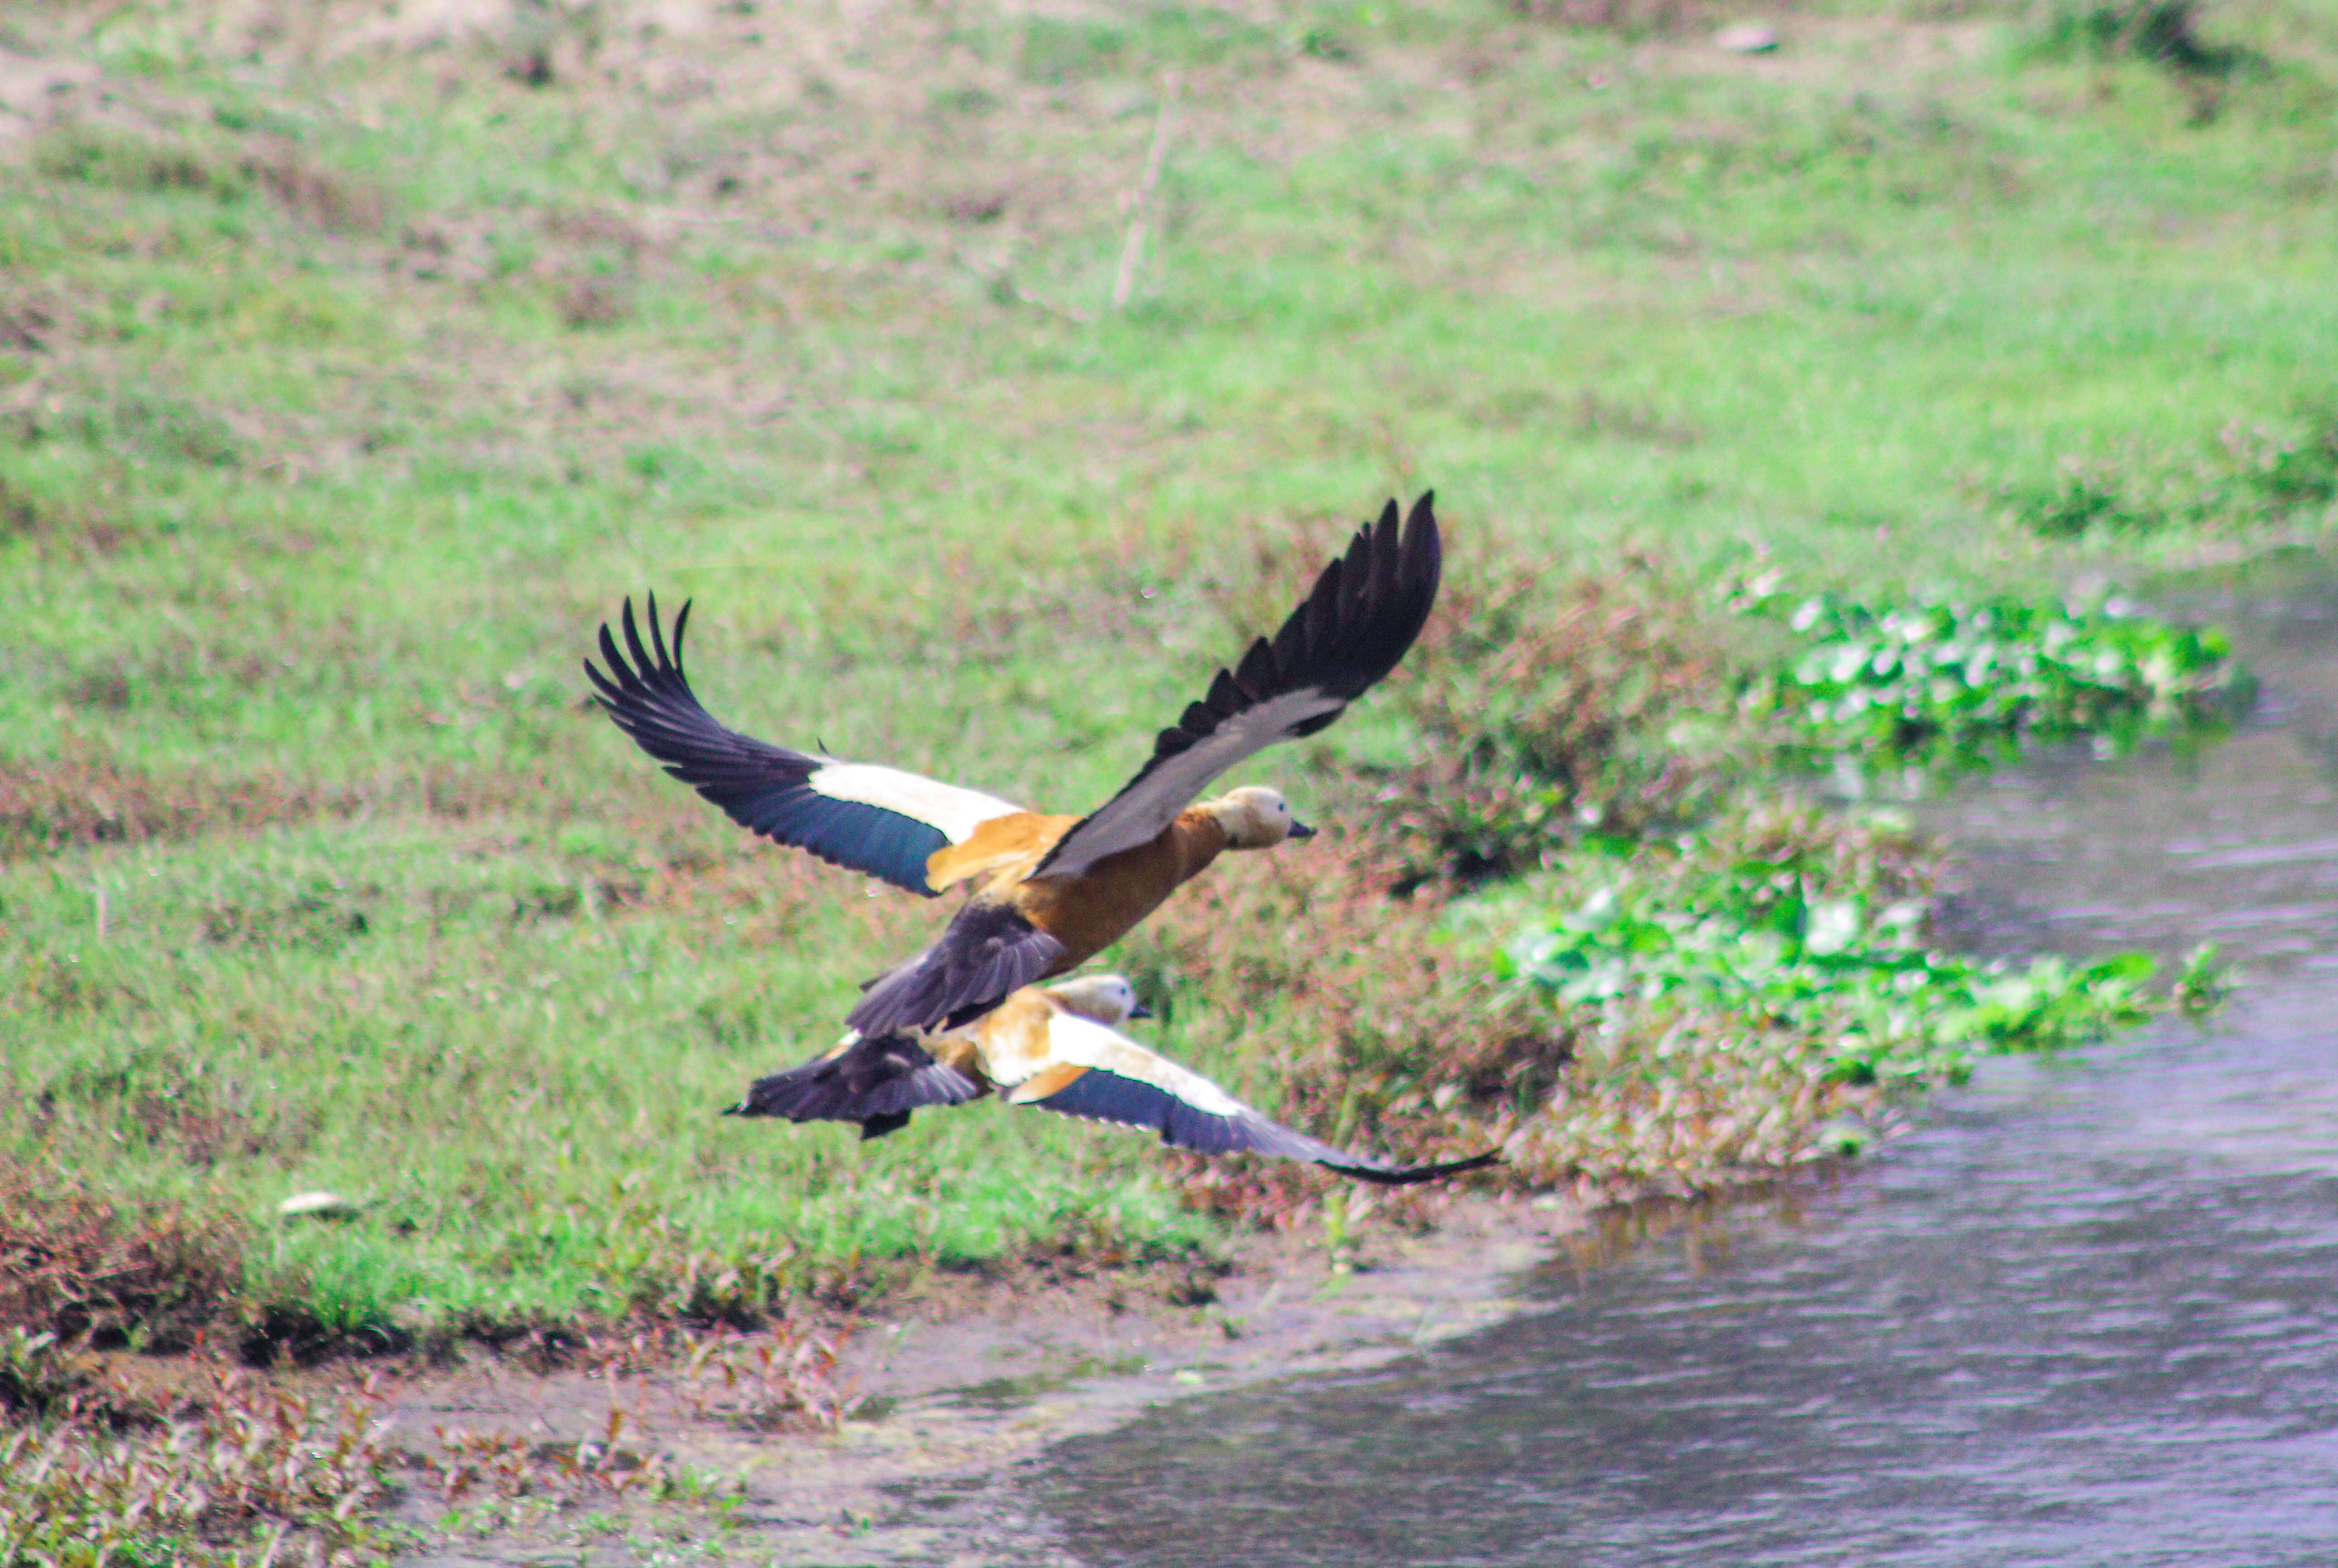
{"x": 989, "y": 951}
{"x": 1099, "y": 1095}
{"x": 876, "y": 1082}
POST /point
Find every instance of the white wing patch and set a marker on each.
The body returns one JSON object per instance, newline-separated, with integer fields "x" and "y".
{"x": 956, "y": 812}
{"x": 1074, "y": 1041}
{"x": 1137, "y": 814}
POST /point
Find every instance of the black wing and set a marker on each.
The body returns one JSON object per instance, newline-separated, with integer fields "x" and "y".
{"x": 877, "y": 819}
{"x": 989, "y": 951}
{"x": 875, "y": 1082}
{"x": 1348, "y": 633}
{"x": 1104, "y": 1096}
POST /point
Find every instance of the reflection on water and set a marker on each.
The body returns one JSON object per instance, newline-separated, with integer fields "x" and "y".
{"x": 2235, "y": 843}
{"x": 2088, "y": 1315}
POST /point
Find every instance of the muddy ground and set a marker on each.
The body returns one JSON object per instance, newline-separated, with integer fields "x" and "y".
{"x": 961, "y": 1388}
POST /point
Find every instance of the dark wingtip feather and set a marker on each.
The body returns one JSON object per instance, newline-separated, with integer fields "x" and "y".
{"x": 763, "y": 788}
{"x": 657, "y": 635}
{"x": 1423, "y": 549}
{"x": 1385, "y": 587}
{"x": 633, "y": 639}
{"x": 1360, "y": 618}
{"x": 1385, "y": 1176}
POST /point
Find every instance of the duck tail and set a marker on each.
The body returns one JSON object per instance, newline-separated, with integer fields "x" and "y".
{"x": 875, "y": 1082}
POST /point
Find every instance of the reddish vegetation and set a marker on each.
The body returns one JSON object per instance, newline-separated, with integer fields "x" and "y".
{"x": 86, "y": 794}
{"x": 77, "y": 1266}
{"x": 225, "y": 1464}
{"x": 323, "y": 196}
{"x": 197, "y": 1462}
{"x": 786, "y": 1380}
{"x": 1547, "y": 711}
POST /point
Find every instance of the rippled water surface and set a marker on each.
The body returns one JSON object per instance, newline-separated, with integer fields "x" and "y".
{"x": 2089, "y": 1314}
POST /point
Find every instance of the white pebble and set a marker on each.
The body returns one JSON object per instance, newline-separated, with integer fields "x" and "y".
{"x": 1746, "y": 38}
{"x": 328, "y": 1205}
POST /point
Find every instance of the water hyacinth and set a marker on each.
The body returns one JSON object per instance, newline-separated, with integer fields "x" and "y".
{"x": 1848, "y": 986}
{"x": 1762, "y": 993}
{"x": 1957, "y": 683}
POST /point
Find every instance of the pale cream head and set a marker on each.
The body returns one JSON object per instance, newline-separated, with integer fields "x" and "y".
{"x": 1105, "y": 998}
{"x": 1256, "y": 817}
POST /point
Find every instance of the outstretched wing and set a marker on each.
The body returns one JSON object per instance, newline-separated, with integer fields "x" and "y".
{"x": 989, "y": 951}
{"x": 875, "y": 1082}
{"x": 1348, "y": 633}
{"x": 1102, "y": 1075}
{"x": 877, "y": 820}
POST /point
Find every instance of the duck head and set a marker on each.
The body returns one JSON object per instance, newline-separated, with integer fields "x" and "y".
{"x": 1256, "y": 817}
{"x": 1105, "y": 998}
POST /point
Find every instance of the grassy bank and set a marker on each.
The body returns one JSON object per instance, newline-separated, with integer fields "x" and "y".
{"x": 352, "y": 373}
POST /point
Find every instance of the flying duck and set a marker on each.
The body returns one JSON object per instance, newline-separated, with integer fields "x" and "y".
{"x": 1060, "y": 1050}
{"x": 1051, "y": 891}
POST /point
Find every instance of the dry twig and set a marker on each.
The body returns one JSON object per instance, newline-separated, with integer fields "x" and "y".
{"x": 1140, "y": 199}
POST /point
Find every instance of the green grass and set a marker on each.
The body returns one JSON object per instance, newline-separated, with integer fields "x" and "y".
{"x": 514, "y": 1073}
{"x": 344, "y": 388}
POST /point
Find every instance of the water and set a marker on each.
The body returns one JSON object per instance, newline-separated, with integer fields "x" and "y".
{"x": 2088, "y": 1315}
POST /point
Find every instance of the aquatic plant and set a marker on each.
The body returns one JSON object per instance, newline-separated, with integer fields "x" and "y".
{"x": 1954, "y": 682}
{"x": 2205, "y": 983}
{"x": 1738, "y": 998}
{"x": 1843, "y": 975}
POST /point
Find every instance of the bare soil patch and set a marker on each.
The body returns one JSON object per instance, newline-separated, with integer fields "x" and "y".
{"x": 961, "y": 1379}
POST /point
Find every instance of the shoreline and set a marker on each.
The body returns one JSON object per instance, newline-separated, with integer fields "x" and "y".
{"x": 963, "y": 1388}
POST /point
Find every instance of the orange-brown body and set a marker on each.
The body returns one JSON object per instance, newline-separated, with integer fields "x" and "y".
{"x": 1089, "y": 912}
{"x": 1003, "y": 847}
{"x": 1010, "y": 1045}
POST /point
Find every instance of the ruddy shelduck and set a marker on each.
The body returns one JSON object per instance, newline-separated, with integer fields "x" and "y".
{"x": 1059, "y": 1049}
{"x": 1051, "y": 891}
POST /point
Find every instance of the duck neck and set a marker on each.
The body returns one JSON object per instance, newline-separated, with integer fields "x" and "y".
{"x": 1198, "y": 836}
